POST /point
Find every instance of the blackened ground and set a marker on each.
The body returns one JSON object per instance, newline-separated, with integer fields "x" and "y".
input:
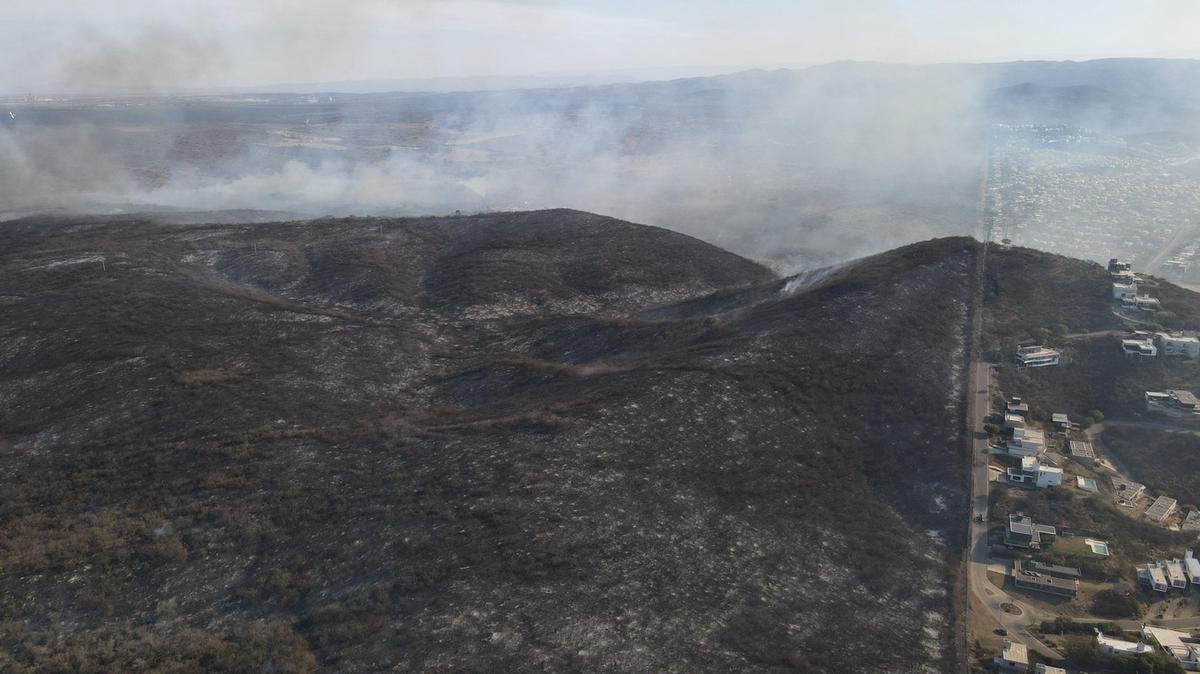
{"x": 512, "y": 442}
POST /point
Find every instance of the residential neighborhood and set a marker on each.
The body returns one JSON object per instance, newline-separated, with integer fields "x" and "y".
{"x": 1071, "y": 540}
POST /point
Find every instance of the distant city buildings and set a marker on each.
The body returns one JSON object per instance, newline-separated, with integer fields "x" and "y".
{"x": 1083, "y": 194}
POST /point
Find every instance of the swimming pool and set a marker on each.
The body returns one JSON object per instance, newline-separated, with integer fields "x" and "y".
{"x": 1086, "y": 484}
{"x": 1098, "y": 547}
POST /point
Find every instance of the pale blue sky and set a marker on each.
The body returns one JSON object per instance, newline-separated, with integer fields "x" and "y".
{"x": 62, "y": 44}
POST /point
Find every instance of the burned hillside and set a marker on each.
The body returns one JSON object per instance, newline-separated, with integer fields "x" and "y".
{"x": 507, "y": 442}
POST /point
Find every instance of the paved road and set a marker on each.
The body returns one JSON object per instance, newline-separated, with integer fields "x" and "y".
{"x": 994, "y": 598}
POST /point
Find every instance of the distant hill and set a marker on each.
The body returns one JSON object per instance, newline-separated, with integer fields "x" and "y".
{"x": 511, "y": 442}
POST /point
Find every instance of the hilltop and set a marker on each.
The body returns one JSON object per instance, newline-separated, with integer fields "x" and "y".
{"x": 506, "y": 442}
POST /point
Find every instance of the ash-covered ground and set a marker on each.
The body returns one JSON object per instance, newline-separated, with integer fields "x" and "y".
{"x": 537, "y": 441}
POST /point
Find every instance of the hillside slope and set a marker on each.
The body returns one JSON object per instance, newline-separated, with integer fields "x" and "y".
{"x": 511, "y": 442}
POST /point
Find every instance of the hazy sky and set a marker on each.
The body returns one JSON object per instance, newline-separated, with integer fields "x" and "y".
{"x": 63, "y": 45}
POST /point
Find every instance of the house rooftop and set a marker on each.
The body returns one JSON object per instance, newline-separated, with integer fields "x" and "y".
{"x": 1055, "y": 569}
{"x": 1015, "y": 652}
{"x": 1082, "y": 448}
{"x": 1192, "y": 521}
{"x": 1122, "y": 646}
{"x": 1184, "y": 397}
{"x": 1023, "y": 526}
{"x": 1044, "y": 581}
{"x": 1127, "y": 488}
{"x": 1161, "y": 508}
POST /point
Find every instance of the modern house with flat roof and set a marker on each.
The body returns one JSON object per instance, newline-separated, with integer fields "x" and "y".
{"x": 1029, "y": 580}
{"x": 1013, "y": 420}
{"x": 1124, "y": 289}
{"x": 1154, "y": 576}
{"x": 1191, "y": 567}
{"x": 1138, "y": 348}
{"x": 1192, "y": 521}
{"x": 1119, "y": 266}
{"x": 1031, "y": 471}
{"x": 1068, "y": 572}
{"x": 1181, "y": 346}
{"x": 1173, "y": 644}
{"x": 1111, "y": 646}
{"x": 1173, "y": 402}
{"x": 1027, "y": 442}
{"x": 1083, "y": 452}
{"x": 1049, "y": 578}
{"x": 1128, "y": 490}
{"x": 1037, "y": 356}
{"x": 1175, "y": 574}
{"x": 1142, "y": 303}
{"x": 1043, "y": 668}
{"x": 1017, "y": 406}
{"x": 1013, "y": 657}
{"x": 1021, "y": 532}
{"x": 1162, "y": 508}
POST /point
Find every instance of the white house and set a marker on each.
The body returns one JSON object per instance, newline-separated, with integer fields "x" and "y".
{"x": 1033, "y": 472}
{"x": 1124, "y": 289}
{"x": 1110, "y": 646}
{"x": 1185, "y": 346}
{"x": 1175, "y": 574}
{"x": 1138, "y": 347}
{"x": 1192, "y": 567}
{"x": 1153, "y": 575}
{"x": 1017, "y": 406}
{"x": 1043, "y": 668}
{"x": 1027, "y": 442}
{"x": 1013, "y": 657}
{"x": 1142, "y": 303}
{"x": 1037, "y": 356}
{"x": 1172, "y": 643}
{"x": 1014, "y": 420}
{"x": 1022, "y": 532}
